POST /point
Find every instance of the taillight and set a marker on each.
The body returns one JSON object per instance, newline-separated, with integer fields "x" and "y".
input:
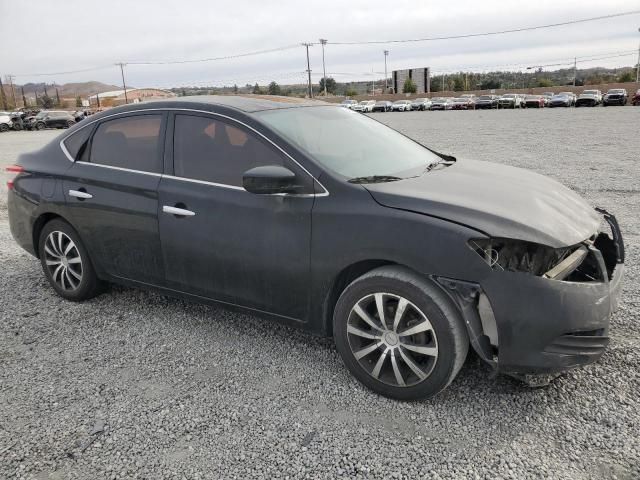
{"x": 17, "y": 169}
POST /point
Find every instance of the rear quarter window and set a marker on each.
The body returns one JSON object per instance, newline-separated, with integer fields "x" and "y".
{"x": 76, "y": 143}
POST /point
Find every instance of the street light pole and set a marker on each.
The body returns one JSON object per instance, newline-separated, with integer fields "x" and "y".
{"x": 575, "y": 70}
{"x": 323, "y": 42}
{"x": 386, "y": 54}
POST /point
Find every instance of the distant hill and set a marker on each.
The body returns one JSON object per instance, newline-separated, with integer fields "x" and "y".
{"x": 83, "y": 89}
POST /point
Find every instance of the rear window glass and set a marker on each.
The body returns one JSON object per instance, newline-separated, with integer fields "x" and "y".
{"x": 130, "y": 142}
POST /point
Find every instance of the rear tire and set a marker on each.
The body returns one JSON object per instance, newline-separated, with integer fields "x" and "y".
{"x": 4, "y": 127}
{"x": 380, "y": 354}
{"x": 66, "y": 263}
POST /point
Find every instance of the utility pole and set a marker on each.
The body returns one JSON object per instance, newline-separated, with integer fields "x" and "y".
{"x": 58, "y": 96}
{"x": 373, "y": 83}
{"x": 386, "y": 54}
{"x": 443, "y": 82}
{"x": 575, "y": 70}
{"x": 323, "y": 42}
{"x": 98, "y": 99}
{"x": 309, "y": 68}
{"x": 638, "y": 65}
{"x": 3, "y": 97}
{"x": 13, "y": 91}
{"x": 24, "y": 99}
{"x": 124, "y": 85}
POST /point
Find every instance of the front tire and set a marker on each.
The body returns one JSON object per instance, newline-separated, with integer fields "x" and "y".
{"x": 40, "y": 126}
{"x": 66, "y": 263}
{"x": 399, "y": 334}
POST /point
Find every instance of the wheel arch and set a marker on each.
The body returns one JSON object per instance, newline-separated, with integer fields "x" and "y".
{"x": 39, "y": 224}
{"x": 355, "y": 270}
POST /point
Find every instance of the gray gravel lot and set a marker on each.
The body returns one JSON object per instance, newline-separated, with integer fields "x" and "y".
{"x": 136, "y": 385}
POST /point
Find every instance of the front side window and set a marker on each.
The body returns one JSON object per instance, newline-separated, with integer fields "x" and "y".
{"x": 129, "y": 142}
{"x": 208, "y": 149}
{"x": 350, "y": 144}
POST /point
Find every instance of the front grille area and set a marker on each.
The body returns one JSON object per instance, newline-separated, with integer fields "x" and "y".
{"x": 588, "y": 343}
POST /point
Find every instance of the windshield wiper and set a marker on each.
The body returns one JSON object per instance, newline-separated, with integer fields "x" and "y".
{"x": 374, "y": 179}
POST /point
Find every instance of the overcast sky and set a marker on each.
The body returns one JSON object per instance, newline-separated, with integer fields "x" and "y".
{"x": 55, "y": 36}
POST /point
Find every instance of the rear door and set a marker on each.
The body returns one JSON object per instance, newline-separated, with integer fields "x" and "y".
{"x": 232, "y": 245}
{"x": 112, "y": 194}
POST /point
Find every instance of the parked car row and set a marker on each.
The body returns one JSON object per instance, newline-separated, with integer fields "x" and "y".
{"x": 588, "y": 98}
{"x": 26, "y": 119}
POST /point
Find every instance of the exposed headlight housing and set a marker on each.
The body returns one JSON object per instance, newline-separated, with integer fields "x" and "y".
{"x": 567, "y": 263}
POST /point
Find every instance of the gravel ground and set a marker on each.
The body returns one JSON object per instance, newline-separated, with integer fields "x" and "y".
{"x": 136, "y": 385}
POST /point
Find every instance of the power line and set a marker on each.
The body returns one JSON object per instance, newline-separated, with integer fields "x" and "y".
{"x": 214, "y": 59}
{"x": 90, "y": 69}
{"x": 485, "y": 34}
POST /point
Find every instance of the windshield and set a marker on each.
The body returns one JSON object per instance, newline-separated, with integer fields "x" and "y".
{"x": 42, "y": 114}
{"x": 615, "y": 91}
{"x": 509, "y": 95}
{"x": 400, "y": 102}
{"x": 485, "y": 97}
{"x": 460, "y": 100}
{"x": 590, "y": 92}
{"x": 349, "y": 144}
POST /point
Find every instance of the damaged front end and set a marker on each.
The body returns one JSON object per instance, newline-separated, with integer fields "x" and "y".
{"x": 541, "y": 310}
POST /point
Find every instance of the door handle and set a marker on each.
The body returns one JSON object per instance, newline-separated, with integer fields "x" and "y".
{"x": 79, "y": 194}
{"x": 181, "y": 212}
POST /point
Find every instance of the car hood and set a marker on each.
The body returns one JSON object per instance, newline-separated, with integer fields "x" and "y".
{"x": 498, "y": 200}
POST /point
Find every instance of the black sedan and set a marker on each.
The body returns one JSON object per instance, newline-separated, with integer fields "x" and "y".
{"x": 326, "y": 220}
{"x": 487, "y": 101}
{"x": 52, "y": 119}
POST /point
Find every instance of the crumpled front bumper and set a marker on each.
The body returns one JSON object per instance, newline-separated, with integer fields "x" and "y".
{"x": 548, "y": 326}
{"x": 541, "y": 325}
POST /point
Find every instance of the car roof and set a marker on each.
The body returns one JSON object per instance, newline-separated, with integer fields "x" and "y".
{"x": 244, "y": 103}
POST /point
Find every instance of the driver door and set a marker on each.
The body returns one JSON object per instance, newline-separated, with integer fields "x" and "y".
{"x": 225, "y": 243}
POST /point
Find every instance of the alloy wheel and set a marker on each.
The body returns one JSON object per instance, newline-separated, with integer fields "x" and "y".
{"x": 392, "y": 339}
{"x": 63, "y": 260}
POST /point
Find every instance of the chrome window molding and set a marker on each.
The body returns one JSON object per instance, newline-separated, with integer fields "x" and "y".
{"x": 154, "y": 174}
{"x": 325, "y": 192}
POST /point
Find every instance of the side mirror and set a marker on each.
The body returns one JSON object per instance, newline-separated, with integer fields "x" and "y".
{"x": 269, "y": 180}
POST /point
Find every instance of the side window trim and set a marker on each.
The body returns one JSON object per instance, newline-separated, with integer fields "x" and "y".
{"x": 166, "y": 111}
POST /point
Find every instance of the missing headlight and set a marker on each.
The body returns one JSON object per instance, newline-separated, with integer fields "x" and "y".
{"x": 533, "y": 258}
